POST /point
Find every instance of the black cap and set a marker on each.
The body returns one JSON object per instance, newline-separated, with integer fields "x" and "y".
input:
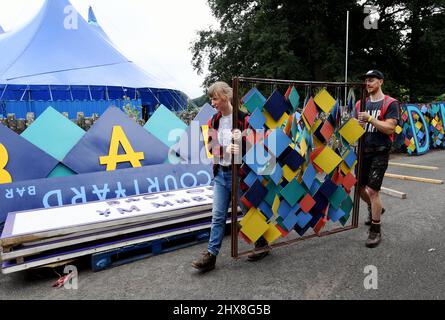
{"x": 374, "y": 74}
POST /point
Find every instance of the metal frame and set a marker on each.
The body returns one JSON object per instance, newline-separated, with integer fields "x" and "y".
{"x": 235, "y": 167}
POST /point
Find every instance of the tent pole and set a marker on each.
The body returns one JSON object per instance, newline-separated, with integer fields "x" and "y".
{"x": 159, "y": 102}
{"x": 91, "y": 96}
{"x": 179, "y": 103}
{"x": 3, "y": 93}
{"x": 50, "y": 92}
{"x": 24, "y": 92}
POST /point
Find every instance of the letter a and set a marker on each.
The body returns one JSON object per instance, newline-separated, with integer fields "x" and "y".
{"x": 113, "y": 158}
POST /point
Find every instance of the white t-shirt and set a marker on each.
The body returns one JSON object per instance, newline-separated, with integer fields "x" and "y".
{"x": 225, "y": 138}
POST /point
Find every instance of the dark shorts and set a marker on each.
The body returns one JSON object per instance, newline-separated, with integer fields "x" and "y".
{"x": 374, "y": 169}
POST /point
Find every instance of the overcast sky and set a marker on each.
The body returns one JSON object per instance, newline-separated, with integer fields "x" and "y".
{"x": 155, "y": 34}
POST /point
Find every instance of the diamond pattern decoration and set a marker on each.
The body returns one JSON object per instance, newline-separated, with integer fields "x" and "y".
{"x": 306, "y": 180}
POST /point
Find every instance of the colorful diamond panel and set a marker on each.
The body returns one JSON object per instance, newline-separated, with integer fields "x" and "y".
{"x": 306, "y": 161}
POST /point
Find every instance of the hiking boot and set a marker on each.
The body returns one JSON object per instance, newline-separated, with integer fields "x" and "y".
{"x": 205, "y": 263}
{"x": 374, "y": 239}
{"x": 368, "y": 222}
{"x": 256, "y": 256}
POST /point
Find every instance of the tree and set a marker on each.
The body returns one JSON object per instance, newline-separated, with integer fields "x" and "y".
{"x": 418, "y": 32}
{"x": 305, "y": 40}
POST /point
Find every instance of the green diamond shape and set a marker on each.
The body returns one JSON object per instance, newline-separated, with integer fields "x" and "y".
{"x": 53, "y": 133}
{"x": 294, "y": 98}
{"x": 338, "y": 197}
{"x": 347, "y": 205}
{"x": 293, "y": 192}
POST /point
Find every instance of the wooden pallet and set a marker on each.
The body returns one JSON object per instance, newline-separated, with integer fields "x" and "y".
{"x": 120, "y": 256}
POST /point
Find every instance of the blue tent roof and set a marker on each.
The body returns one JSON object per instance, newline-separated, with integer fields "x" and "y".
{"x": 53, "y": 50}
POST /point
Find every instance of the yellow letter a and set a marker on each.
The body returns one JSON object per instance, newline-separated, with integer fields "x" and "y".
{"x": 113, "y": 158}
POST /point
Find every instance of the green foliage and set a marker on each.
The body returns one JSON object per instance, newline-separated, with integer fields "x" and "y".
{"x": 132, "y": 110}
{"x": 200, "y": 101}
{"x": 305, "y": 40}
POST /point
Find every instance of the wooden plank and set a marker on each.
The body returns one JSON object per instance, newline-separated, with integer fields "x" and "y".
{"x": 394, "y": 193}
{"x": 412, "y": 166}
{"x": 39, "y": 224}
{"x": 76, "y": 239}
{"x": 72, "y": 255}
{"x": 14, "y": 241}
{"x": 416, "y": 179}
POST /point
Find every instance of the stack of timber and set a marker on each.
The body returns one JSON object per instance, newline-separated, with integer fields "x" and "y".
{"x": 37, "y": 238}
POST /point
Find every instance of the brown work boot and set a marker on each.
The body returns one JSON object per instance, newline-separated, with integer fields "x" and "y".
{"x": 256, "y": 256}
{"x": 205, "y": 263}
{"x": 374, "y": 239}
{"x": 368, "y": 222}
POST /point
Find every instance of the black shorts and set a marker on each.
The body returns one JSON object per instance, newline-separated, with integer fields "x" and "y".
{"x": 374, "y": 169}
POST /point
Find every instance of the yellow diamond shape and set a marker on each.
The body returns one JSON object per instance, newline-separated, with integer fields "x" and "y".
{"x": 271, "y": 123}
{"x": 317, "y": 143}
{"x": 288, "y": 174}
{"x": 276, "y": 205}
{"x": 352, "y": 131}
{"x": 325, "y": 101}
{"x": 316, "y": 125}
{"x": 344, "y": 168}
{"x": 419, "y": 125}
{"x": 328, "y": 160}
{"x": 205, "y": 134}
{"x": 303, "y": 147}
{"x": 255, "y": 226}
{"x": 272, "y": 234}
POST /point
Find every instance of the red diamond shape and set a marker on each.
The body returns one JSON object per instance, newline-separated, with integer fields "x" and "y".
{"x": 310, "y": 112}
{"x": 307, "y": 203}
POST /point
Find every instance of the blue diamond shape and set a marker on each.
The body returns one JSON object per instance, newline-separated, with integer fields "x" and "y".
{"x": 309, "y": 176}
{"x": 85, "y": 156}
{"x": 294, "y": 160}
{"x": 277, "y": 142}
{"x": 277, "y": 174}
{"x": 257, "y": 119}
{"x": 276, "y": 105}
{"x": 257, "y": 158}
{"x": 25, "y": 160}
